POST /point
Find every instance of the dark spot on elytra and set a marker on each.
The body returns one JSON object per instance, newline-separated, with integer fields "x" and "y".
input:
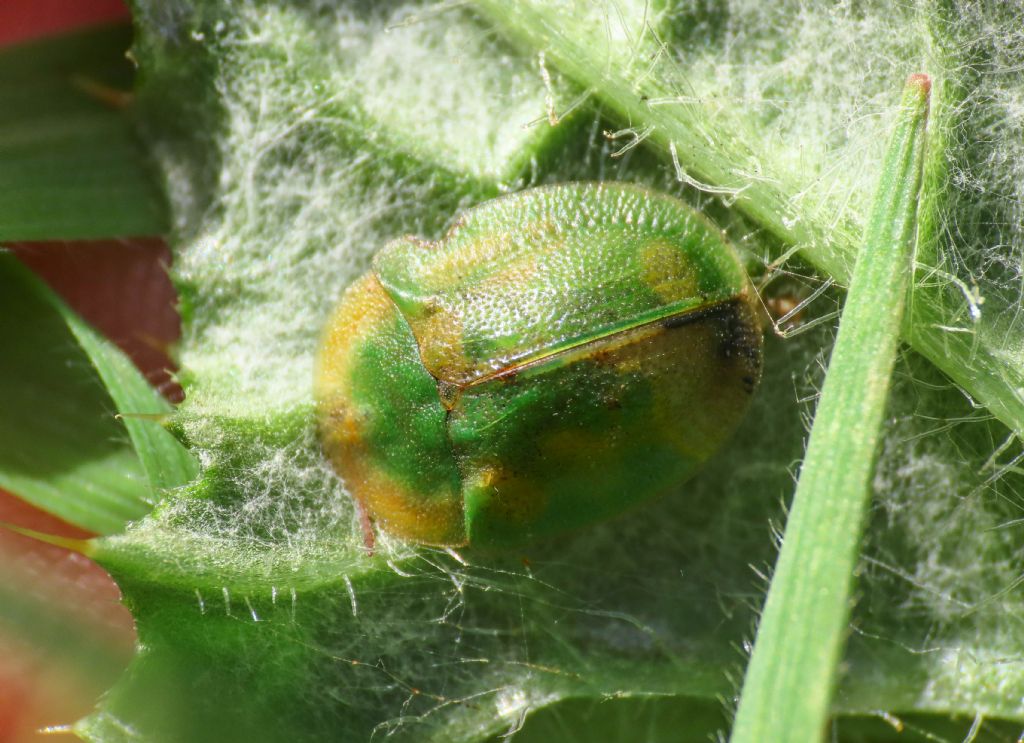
{"x": 738, "y": 338}
{"x": 738, "y": 335}
{"x": 714, "y": 312}
{"x": 678, "y": 321}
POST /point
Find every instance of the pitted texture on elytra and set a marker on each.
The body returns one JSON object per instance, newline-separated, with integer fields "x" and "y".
{"x": 528, "y": 275}
{"x": 561, "y": 355}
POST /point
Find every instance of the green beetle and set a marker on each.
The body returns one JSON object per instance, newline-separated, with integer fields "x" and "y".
{"x": 562, "y": 354}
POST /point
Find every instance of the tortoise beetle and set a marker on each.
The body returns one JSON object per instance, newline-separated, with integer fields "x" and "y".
{"x": 562, "y": 354}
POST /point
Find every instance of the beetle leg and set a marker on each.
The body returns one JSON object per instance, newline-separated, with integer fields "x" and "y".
{"x": 369, "y": 538}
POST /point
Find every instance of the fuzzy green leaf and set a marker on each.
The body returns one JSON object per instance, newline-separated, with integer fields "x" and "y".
{"x": 299, "y": 138}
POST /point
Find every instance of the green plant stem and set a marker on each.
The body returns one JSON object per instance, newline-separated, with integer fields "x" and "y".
{"x": 789, "y": 683}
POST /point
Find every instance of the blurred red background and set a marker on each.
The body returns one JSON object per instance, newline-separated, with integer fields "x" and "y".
{"x": 121, "y": 286}
{"x": 22, "y": 20}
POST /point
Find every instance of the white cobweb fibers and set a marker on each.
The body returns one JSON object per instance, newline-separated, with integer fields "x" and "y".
{"x": 338, "y": 127}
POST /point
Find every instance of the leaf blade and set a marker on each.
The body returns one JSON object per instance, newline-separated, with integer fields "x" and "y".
{"x": 787, "y": 691}
{"x": 62, "y": 448}
{"x": 72, "y": 165}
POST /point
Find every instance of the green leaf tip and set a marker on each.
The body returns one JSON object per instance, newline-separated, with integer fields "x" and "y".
{"x": 63, "y": 449}
{"x": 81, "y": 546}
{"x": 788, "y": 688}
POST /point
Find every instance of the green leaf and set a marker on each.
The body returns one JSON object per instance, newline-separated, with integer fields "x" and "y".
{"x": 787, "y": 691}
{"x": 297, "y": 139}
{"x": 63, "y": 449}
{"x": 70, "y": 164}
